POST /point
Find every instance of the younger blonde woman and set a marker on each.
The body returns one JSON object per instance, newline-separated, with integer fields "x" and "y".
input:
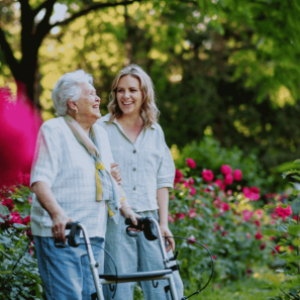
{"x": 147, "y": 169}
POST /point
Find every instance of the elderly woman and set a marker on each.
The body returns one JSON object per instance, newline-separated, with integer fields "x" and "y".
{"x": 147, "y": 169}
{"x": 71, "y": 181}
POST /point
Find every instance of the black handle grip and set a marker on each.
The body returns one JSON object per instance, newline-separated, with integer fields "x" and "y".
{"x": 73, "y": 237}
{"x": 145, "y": 224}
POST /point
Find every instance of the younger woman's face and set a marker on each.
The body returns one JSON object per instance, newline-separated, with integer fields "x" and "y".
{"x": 129, "y": 95}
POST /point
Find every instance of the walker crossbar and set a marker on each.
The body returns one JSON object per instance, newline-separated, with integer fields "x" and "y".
{"x": 99, "y": 280}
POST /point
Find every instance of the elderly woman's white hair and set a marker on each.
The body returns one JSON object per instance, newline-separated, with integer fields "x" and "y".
{"x": 68, "y": 87}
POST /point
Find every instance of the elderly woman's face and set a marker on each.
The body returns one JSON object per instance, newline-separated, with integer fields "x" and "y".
{"x": 88, "y": 103}
{"x": 129, "y": 95}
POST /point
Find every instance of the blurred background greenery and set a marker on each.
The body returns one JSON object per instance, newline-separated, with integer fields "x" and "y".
{"x": 226, "y": 69}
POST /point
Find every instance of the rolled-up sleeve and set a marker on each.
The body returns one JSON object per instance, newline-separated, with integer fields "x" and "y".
{"x": 47, "y": 158}
{"x": 166, "y": 171}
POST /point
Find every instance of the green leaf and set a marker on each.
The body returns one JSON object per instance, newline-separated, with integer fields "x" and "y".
{"x": 295, "y": 206}
{"x": 270, "y": 206}
{"x": 4, "y": 210}
{"x": 294, "y": 230}
{"x": 284, "y": 205}
{"x": 297, "y": 161}
{"x": 2, "y": 220}
{"x": 296, "y": 177}
{"x": 19, "y": 226}
{"x": 295, "y": 192}
{"x": 296, "y": 185}
{"x": 19, "y": 199}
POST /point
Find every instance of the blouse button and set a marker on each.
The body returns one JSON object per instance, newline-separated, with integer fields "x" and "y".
{"x": 134, "y": 151}
{"x": 134, "y": 188}
{"x": 134, "y": 169}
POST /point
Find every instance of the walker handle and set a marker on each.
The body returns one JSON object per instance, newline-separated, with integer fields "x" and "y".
{"x": 73, "y": 237}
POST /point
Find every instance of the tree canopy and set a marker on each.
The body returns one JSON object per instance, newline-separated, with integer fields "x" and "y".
{"x": 226, "y": 68}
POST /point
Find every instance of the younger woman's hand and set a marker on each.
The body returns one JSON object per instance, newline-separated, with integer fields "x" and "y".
{"x": 165, "y": 231}
{"x": 115, "y": 173}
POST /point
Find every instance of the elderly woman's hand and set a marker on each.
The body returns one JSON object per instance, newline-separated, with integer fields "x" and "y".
{"x": 165, "y": 231}
{"x": 58, "y": 228}
{"x": 115, "y": 173}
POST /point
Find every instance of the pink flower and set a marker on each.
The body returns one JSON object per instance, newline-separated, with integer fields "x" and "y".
{"x": 251, "y": 193}
{"x": 258, "y": 236}
{"x": 192, "y": 213}
{"x": 272, "y": 238}
{"x": 178, "y": 176}
{"x": 220, "y": 184}
{"x": 191, "y": 181}
{"x": 8, "y": 203}
{"x": 193, "y": 191}
{"x": 248, "y": 236}
{"x": 26, "y": 220}
{"x": 228, "y": 179}
{"x": 214, "y": 257}
{"x": 191, "y": 163}
{"x": 257, "y": 223}
{"x": 224, "y": 233}
{"x": 247, "y": 214}
{"x": 225, "y": 169}
{"x": 283, "y": 212}
{"x": 186, "y": 184}
{"x": 170, "y": 219}
{"x": 172, "y": 197}
{"x": 15, "y": 218}
{"x": 262, "y": 246}
{"x": 225, "y": 206}
{"x": 229, "y": 192}
{"x": 291, "y": 248}
{"x": 274, "y": 215}
{"x": 192, "y": 240}
{"x": 207, "y": 175}
{"x": 259, "y": 213}
{"x": 179, "y": 216}
{"x": 237, "y": 175}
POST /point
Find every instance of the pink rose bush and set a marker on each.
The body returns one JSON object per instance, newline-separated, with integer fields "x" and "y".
{"x": 190, "y": 163}
{"x": 283, "y": 212}
{"x": 252, "y": 193}
{"x": 207, "y": 175}
{"x": 237, "y": 175}
{"x": 225, "y": 169}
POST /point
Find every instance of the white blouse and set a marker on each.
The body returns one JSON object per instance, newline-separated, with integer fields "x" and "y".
{"x": 145, "y": 166}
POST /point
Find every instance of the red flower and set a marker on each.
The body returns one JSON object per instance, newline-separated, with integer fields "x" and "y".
{"x": 251, "y": 193}
{"x": 191, "y": 163}
{"x": 170, "y": 219}
{"x": 258, "y": 236}
{"x": 26, "y": 220}
{"x": 178, "y": 176}
{"x": 248, "y": 236}
{"x": 224, "y": 233}
{"x": 225, "y": 169}
{"x": 179, "y": 216}
{"x": 193, "y": 191}
{"x": 237, "y": 175}
{"x": 207, "y": 175}
{"x": 8, "y": 203}
{"x": 257, "y": 223}
{"x": 225, "y": 206}
{"x": 15, "y": 218}
{"x": 272, "y": 238}
{"x": 228, "y": 179}
{"x": 277, "y": 248}
{"x": 219, "y": 183}
{"x": 283, "y": 212}
{"x": 262, "y": 246}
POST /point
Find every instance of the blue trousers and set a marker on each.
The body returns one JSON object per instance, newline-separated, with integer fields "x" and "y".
{"x": 65, "y": 272}
{"x": 136, "y": 255}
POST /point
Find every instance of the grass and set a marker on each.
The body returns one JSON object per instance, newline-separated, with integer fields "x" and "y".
{"x": 256, "y": 287}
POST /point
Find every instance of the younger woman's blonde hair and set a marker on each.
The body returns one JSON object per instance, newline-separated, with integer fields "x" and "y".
{"x": 149, "y": 111}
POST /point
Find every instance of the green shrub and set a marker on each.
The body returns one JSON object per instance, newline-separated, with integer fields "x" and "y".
{"x": 19, "y": 275}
